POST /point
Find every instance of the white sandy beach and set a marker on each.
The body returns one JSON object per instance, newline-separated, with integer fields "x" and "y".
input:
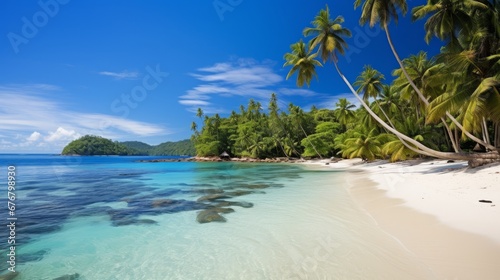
{"x": 432, "y": 207}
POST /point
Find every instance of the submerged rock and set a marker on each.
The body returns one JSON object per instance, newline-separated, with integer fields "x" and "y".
{"x": 208, "y": 216}
{"x": 234, "y": 203}
{"x": 34, "y": 257}
{"x": 162, "y": 202}
{"x": 206, "y": 191}
{"x": 129, "y": 221}
{"x": 212, "y": 197}
{"x": 256, "y": 186}
{"x": 213, "y": 215}
{"x": 239, "y": 193}
{"x": 75, "y": 276}
{"x": 9, "y": 276}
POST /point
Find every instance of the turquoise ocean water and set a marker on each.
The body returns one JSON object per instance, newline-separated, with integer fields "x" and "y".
{"x": 115, "y": 218}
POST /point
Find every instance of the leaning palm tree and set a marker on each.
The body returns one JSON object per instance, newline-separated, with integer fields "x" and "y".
{"x": 329, "y": 39}
{"x": 302, "y": 60}
{"x": 383, "y": 11}
{"x": 446, "y": 19}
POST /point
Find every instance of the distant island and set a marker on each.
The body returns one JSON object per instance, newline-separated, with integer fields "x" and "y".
{"x": 91, "y": 145}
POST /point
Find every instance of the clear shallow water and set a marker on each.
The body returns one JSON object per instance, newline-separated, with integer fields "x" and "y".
{"x": 102, "y": 217}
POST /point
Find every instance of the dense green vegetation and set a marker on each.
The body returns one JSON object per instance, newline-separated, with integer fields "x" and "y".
{"x": 439, "y": 107}
{"x": 179, "y": 148}
{"x": 96, "y": 145}
{"x": 90, "y": 145}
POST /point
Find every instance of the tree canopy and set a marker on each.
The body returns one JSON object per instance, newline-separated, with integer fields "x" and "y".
{"x": 96, "y": 145}
{"x": 441, "y": 106}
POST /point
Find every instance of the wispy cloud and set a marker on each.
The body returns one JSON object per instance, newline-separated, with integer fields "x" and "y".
{"x": 241, "y": 77}
{"x": 31, "y": 120}
{"x": 120, "y": 75}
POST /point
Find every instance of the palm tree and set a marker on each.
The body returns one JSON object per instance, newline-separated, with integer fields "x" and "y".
{"x": 363, "y": 144}
{"x": 369, "y": 82}
{"x": 194, "y": 127}
{"x": 449, "y": 17}
{"x": 297, "y": 116}
{"x": 429, "y": 79}
{"x": 389, "y": 101}
{"x": 343, "y": 112}
{"x": 383, "y": 11}
{"x": 452, "y": 17}
{"x": 328, "y": 35}
{"x": 275, "y": 125}
{"x": 329, "y": 40}
{"x": 301, "y": 59}
{"x": 199, "y": 113}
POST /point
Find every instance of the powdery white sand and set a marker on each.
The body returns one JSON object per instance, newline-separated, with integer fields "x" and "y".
{"x": 433, "y": 209}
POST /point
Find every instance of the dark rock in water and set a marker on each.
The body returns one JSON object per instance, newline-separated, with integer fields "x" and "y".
{"x": 221, "y": 210}
{"x": 34, "y": 257}
{"x": 211, "y": 197}
{"x": 9, "y": 276}
{"x": 146, "y": 222}
{"x": 39, "y": 229}
{"x": 450, "y": 161}
{"x": 131, "y": 221}
{"x": 234, "y": 203}
{"x": 208, "y": 216}
{"x": 485, "y": 201}
{"x": 75, "y": 276}
{"x": 256, "y": 186}
{"x": 162, "y": 202}
{"x": 205, "y": 191}
{"x": 239, "y": 193}
{"x": 92, "y": 211}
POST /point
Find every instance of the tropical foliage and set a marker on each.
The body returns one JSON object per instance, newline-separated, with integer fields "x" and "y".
{"x": 178, "y": 148}
{"x": 96, "y": 145}
{"x": 441, "y": 106}
{"x": 90, "y": 145}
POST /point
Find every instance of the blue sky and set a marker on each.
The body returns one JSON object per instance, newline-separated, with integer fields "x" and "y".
{"x": 137, "y": 70}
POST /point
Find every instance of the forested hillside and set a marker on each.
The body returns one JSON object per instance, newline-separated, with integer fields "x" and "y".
{"x": 96, "y": 145}
{"x": 91, "y": 145}
{"x": 179, "y": 148}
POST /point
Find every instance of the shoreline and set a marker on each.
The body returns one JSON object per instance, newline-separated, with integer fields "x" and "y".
{"x": 432, "y": 208}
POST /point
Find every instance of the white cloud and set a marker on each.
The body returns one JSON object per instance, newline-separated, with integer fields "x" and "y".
{"x": 35, "y": 136}
{"x": 194, "y": 102}
{"x": 240, "y": 77}
{"x": 62, "y": 134}
{"x": 120, "y": 75}
{"x": 32, "y": 120}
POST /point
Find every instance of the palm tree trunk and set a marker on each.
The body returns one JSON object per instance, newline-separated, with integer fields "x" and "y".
{"x": 497, "y": 135}
{"x": 486, "y": 134}
{"x": 421, "y": 96}
{"x": 281, "y": 146}
{"x": 422, "y": 149}
{"x": 456, "y": 147}
{"x": 457, "y": 137}
{"x": 310, "y": 141}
